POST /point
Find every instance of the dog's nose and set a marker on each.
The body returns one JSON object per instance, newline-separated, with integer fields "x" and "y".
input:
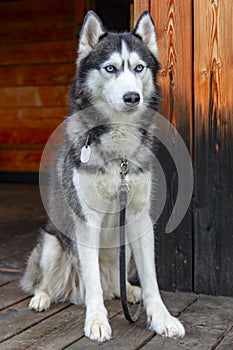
{"x": 131, "y": 99}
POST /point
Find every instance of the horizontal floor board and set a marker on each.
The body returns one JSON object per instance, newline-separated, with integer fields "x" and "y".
{"x": 227, "y": 342}
{"x": 54, "y": 332}
{"x": 11, "y": 293}
{"x": 18, "y": 317}
{"x": 127, "y": 335}
{"x": 206, "y": 321}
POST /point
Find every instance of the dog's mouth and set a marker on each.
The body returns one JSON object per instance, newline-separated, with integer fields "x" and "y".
{"x": 130, "y": 109}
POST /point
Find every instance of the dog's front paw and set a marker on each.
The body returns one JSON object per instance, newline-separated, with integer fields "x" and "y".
{"x": 97, "y": 327}
{"x": 161, "y": 322}
{"x": 40, "y": 302}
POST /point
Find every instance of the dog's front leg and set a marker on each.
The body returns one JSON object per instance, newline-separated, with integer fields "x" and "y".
{"x": 158, "y": 316}
{"x": 96, "y": 324}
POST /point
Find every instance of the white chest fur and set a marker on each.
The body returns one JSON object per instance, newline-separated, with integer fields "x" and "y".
{"x": 99, "y": 192}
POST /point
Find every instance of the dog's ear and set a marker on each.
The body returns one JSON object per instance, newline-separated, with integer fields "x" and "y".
{"x": 92, "y": 30}
{"x": 145, "y": 29}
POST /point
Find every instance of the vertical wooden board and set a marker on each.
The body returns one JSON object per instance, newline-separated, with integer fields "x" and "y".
{"x": 213, "y": 98}
{"x": 173, "y": 22}
{"x": 139, "y": 7}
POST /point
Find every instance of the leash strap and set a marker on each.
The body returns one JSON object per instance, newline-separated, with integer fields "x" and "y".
{"x": 123, "y": 203}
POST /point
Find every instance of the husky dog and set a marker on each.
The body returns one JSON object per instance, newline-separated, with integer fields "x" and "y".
{"x": 113, "y": 98}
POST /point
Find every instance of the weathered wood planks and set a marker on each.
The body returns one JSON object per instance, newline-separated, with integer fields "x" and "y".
{"x": 139, "y": 7}
{"x": 132, "y": 336}
{"x": 207, "y": 321}
{"x": 174, "y": 35}
{"x": 213, "y": 105}
{"x": 38, "y": 42}
{"x": 196, "y": 50}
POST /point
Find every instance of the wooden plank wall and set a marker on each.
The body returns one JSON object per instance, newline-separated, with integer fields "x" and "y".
{"x": 213, "y": 101}
{"x": 196, "y": 50}
{"x": 172, "y": 22}
{"x": 37, "y": 53}
{"x": 175, "y": 54}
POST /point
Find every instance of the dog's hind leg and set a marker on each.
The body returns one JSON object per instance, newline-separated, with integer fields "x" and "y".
{"x": 109, "y": 273}
{"x": 47, "y": 274}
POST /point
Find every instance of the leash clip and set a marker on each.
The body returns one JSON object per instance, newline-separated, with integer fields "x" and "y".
{"x": 124, "y": 168}
{"x": 124, "y": 187}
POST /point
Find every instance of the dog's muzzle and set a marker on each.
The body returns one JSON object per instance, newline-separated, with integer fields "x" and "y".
{"x": 131, "y": 99}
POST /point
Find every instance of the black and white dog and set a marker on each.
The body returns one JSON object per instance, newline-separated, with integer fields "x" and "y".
{"x": 113, "y": 99}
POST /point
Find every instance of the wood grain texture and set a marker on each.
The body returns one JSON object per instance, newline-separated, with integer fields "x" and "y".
{"x": 213, "y": 97}
{"x": 27, "y": 136}
{"x": 11, "y": 294}
{"x": 206, "y": 321}
{"x": 32, "y": 10}
{"x": 42, "y": 52}
{"x": 49, "y": 29}
{"x": 21, "y": 312}
{"x": 32, "y": 117}
{"x": 173, "y": 20}
{"x": 38, "y": 49}
{"x": 46, "y": 96}
{"x": 226, "y": 342}
{"x": 54, "y": 332}
{"x": 37, "y": 74}
{"x": 20, "y": 160}
{"x": 133, "y": 335}
{"x": 139, "y": 7}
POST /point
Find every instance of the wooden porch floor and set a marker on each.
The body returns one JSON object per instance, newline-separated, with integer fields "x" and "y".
{"x": 208, "y": 320}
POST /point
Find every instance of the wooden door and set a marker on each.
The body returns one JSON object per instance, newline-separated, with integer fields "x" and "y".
{"x": 196, "y": 49}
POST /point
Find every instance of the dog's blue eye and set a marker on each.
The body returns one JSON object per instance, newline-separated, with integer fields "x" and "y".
{"x": 139, "y": 68}
{"x": 110, "y": 69}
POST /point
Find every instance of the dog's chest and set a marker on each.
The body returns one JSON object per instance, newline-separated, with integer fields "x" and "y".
{"x": 122, "y": 140}
{"x": 100, "y": 191}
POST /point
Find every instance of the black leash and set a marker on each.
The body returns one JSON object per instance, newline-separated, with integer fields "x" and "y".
{"x": 123, "y": 203}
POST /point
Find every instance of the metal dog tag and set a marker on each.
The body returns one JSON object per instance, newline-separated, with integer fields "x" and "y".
{"x": 85, "y": 154}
